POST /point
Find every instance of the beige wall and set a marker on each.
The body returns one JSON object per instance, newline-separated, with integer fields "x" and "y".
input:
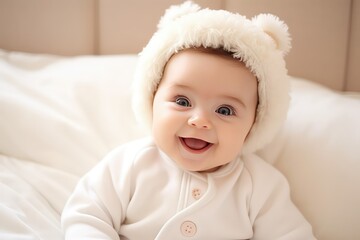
{"x": 319, "y": 40}
{"x": 353, "y": 61}
{"x": 63, "y": 27}
{"x": 137, "y": 22}
{"x": 325, "y": 32}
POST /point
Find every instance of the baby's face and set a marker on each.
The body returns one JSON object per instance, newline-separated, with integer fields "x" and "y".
{"x": 203, "y": 109}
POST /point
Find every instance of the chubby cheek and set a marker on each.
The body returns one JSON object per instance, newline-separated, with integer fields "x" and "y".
{"x": 163, "y": 124}
{"x": 234, "y": 142}
{"x": 158, "y": 122}
{"x": 163, "y": 119}
{"x": 160, "y": 128}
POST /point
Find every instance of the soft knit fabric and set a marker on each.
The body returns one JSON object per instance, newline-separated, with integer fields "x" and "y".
{"x": 137, "y": 192}
{"x": 260, "y": 43}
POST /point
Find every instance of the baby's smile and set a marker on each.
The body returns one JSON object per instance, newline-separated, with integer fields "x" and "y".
{"x": 195, "y": 145}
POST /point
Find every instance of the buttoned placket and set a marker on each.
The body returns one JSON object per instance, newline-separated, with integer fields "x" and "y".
{"x": 193, "y": 188}
{"x": 196, "y": 191}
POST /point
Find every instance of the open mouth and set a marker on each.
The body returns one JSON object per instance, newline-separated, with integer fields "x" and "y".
{"x": 195, "y": 145}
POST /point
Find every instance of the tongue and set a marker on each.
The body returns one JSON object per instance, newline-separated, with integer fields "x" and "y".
{"x": 194, "y": 143}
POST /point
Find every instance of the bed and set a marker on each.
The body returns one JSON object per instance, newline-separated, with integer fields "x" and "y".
{"x": 65, "y": 75}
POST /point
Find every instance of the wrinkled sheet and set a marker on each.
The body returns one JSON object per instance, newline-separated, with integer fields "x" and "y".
{"x": 59, "y": 116}
{"x": 32, "y": 198}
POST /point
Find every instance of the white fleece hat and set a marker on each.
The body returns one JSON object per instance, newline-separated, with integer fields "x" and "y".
{"x": 260, "y": 43}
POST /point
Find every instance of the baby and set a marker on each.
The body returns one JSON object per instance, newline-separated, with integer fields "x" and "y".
{"x": 213, "y": 88}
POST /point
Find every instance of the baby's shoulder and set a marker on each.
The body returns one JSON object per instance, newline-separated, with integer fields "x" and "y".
{"x": 261, "y": 171}
{"x": 131, "y": 150}
{"x": 135, "y": 145}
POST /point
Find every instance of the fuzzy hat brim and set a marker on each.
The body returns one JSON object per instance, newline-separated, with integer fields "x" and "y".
{"x": 260, "y": 43}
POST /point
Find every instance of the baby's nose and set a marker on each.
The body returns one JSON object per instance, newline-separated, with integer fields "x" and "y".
{"x": 200, "y": 121}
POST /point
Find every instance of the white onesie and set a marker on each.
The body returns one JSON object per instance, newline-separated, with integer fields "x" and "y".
{"x": 137, "y": 192}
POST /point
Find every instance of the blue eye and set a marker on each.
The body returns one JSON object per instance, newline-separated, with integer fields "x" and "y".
{"x": 182, "y": 101}
{"x": 226, "y": 110}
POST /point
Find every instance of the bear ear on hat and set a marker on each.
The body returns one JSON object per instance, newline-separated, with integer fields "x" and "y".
{"x": 276, "y": 29}
{"x": 177, "y": 11}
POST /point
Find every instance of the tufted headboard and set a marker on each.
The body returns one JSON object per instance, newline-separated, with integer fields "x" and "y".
{"x": 324, "y": 32}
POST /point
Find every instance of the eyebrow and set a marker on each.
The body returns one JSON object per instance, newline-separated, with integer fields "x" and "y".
{"x": 235, "y": 99}
{"x": 178, "y": 86}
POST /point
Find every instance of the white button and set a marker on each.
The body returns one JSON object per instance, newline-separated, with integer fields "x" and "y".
{"x": 188, "y": 229}
{"x": 196, "y": 193}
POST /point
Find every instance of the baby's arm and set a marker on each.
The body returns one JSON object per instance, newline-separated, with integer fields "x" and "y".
{"x": 273, "y": 214}
{"x": 95, "y": 209}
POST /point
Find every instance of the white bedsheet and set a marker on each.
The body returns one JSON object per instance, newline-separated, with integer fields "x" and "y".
{"x": 32, "y": 198}
{"x": 59, "y": 116}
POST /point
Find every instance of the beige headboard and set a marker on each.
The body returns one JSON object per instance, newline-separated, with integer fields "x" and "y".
{"x": 324, "y": 32}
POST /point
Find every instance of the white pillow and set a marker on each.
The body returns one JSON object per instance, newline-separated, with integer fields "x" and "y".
{"x": 65, "y": 112}
{"x": 319, "y": 152}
